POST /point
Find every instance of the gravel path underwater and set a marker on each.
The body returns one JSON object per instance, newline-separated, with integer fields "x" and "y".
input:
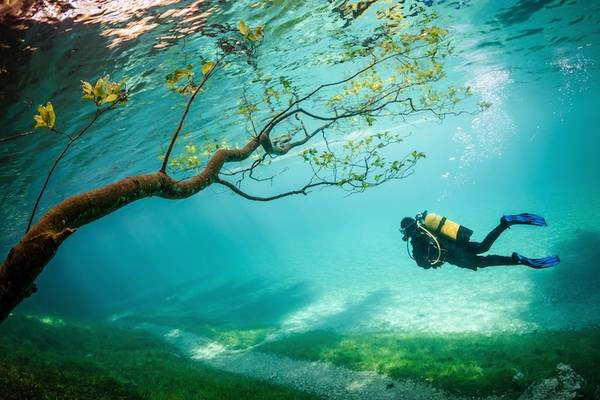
{"x": 333, "y": 382}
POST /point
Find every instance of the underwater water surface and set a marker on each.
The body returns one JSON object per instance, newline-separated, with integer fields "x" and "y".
{"x": 216, "y": 296}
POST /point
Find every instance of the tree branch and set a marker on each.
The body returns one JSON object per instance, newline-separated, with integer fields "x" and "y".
{"x": 165, "y": 162}
{"x": 360, "y": 168}
{"x": 28, "y": 258}
{"x": 283, "y": 114}
{"x": 303, "y": 190}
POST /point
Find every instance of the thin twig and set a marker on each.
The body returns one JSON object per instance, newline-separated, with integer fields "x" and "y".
{"x": 303, "y": 190}
{"x": 17, "y": 136}
{"x": 163, "y": 167}
{"x": 282, "y": 115}
{"x": 72, "y": 140}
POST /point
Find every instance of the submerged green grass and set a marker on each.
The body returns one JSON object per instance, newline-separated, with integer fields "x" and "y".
{"x": 49, "y": 358}
{"x": 234, "y": 338}
{"x": 466, "y": 364}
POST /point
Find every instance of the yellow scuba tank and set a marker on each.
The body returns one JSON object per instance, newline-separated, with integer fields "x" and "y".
{"x": 449, "y": 229}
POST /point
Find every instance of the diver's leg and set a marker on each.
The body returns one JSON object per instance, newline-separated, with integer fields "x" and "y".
{"x": 482, "y": 247}
{"x": 471, "y": 261}
{"x": 495, "y": 260}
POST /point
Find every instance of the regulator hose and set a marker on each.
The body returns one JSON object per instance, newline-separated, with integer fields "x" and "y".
{"x": 439, "y": 248}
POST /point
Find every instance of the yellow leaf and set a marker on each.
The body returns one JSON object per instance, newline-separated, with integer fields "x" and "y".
{"x": 42, "y": 112}
{"x": 114, "y": 88}
{"x": 243, "y": 28}
{"x": 258, "y": 32}
{"x": 98, "y": 84}
{"x": 45, "y": 117}
{"x": 207, "y": 67}
{"x": 100, "y": 87}
{"x": 51, "y": 116}
{"x": 86, "y": 87}
{"x": 39, "y": 122}
{"x": 110, "y": 98}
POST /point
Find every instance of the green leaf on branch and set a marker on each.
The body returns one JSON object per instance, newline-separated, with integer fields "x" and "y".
{"x": 251, "y": 34}
{"x": 245, "y": 108}
{"x": 181, "y": 80}
{"x": 104, "y": 91}
{"x": 417, "y": 155}
{"x": 187, "y": 160}
{"x": 484, "y": 105}
{"x": 179, "y": 74}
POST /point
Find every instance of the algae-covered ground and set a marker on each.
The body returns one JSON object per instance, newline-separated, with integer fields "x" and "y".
{"x": 50, "y": 358}
{"x": 42, "y": 357}
{"x": 463, "y": 364}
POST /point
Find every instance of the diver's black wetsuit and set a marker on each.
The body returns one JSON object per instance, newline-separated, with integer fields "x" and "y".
{"x": 464, "y": 255}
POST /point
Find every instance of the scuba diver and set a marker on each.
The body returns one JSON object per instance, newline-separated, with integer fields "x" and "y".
{"x": 436, "y": 240}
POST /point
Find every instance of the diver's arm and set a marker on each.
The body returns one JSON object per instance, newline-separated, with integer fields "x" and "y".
{"x": 423, "y": 262}
{"x": 419, "y": 244}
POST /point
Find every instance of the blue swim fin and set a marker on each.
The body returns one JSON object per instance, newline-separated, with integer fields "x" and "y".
{"x": 537, "y": 263}
{"x": 525, "y": 218}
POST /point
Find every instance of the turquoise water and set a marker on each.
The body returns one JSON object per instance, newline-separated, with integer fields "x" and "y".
{"x": 327, "y": 261}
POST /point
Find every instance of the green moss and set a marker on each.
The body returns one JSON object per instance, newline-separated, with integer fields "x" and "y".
{"x": 49, "y": 358}
{"x": 467, "y": 364}
{"x": 232, "y": 338}
{"x": 68, "y": 360}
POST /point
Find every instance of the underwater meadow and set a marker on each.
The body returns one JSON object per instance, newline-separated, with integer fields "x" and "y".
{"x": 202, "y": 199}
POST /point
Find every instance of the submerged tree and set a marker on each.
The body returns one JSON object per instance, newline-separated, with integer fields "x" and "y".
{"x": 330, "y": 128}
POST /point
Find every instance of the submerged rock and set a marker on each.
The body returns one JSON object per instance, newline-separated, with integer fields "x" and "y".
{"x": 562, "y": 387}
{"x": 518, "y": 376}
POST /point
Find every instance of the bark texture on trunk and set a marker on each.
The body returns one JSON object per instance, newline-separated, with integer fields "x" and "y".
{"x": 28, "y": 258}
